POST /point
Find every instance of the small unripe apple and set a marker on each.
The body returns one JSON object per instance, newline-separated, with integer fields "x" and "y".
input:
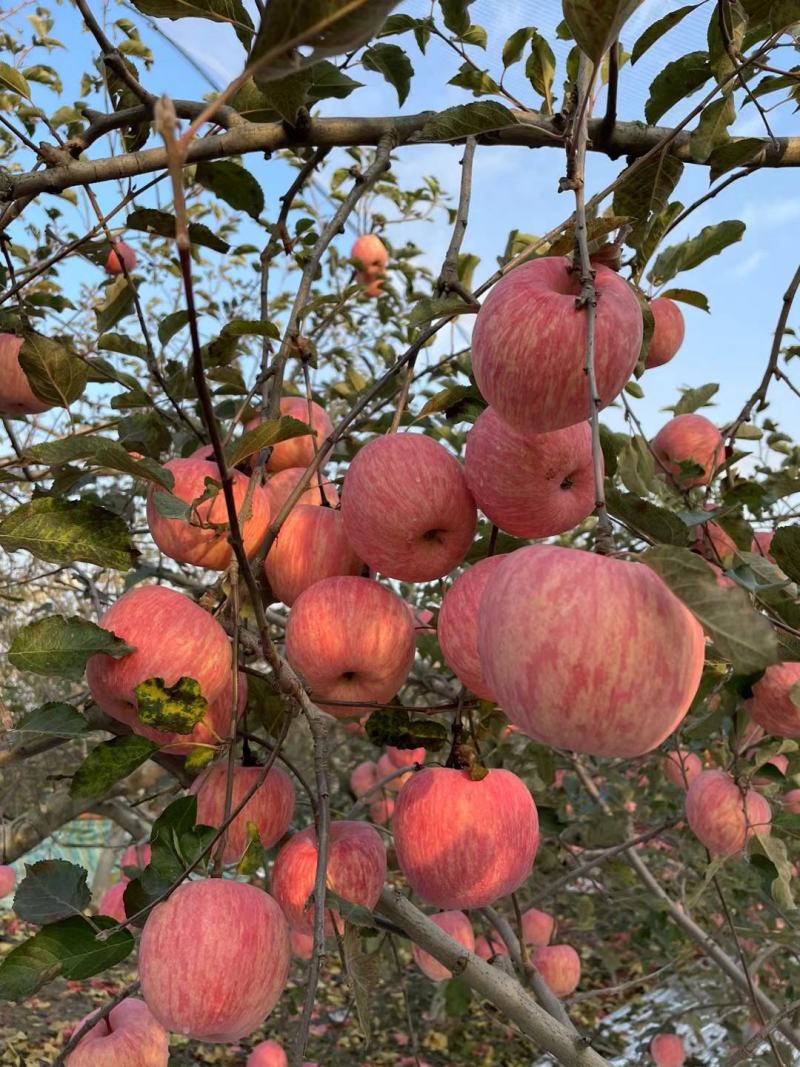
{"x": 456, "y": 925}
{"x": 16, "y": 395}
{"x": 111, "y": 902}
{"x": 667, "y": 1050}
{"x": 690, "y": 449}
{"x": 129, "y": 1036}
{"x": 120, "y": 254}
{"x": 267, "y": 1054}
{"x": 281, "y": 484}
{"x": 681, "y": 767}
{"x": 8, "y": 880}
{"x": 457, "y": 628}
{"x": 560, "y": 967}
{"x": 298, "y": 451}
{"x": 722, "y": 816}
{"x": 668, "y": 332}
{"x": 771, "y": 704}
{"x": 312, "y": 545}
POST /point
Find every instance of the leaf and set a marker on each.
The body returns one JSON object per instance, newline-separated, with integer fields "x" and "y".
{"x": 774, "y": 851}
{"x": 253, "y": 856}
{"x": 739, "y": 152}
{"x": 363, "y": 973}
{"x": 785, "y": 548}
{"x": 171, "y": 507}
{"x": 69, "y": 948}
{"x": 265, "y": 434}
{"x": 56, "y": 375}
{"x": 232, "y": 12}
{"x": 657, "y": 29}
{"x": 147, "y": 432}
{"x": 120, "y": 342}
{"x": 148, "y": 220}
{"x": 250, "y": 328}
{"x": 172, "y": 708}
{"x": 712, "y": 128}
{"x": 741, "y": 635}
{"x": 466, "y": 120}
{"x": 172, "y": 324}
{"x": 53, "y": 719}
{"x": 479, "y": 82}
{"x": 596, "y": 24}
{"x": 692, "y": 399}
{"x": 456, "y": 15}
{"x": 515, "y": 45}
{"x": 636, "y": 466}
{"x": 645, "y": 192}
{"x": 645, "y": 518}
{"x": 51, "y": 890}
{"x": 104, "y": 452}
{"x": 175, "y": 839}
{"x": 688, "y": 296}
{"x": 13, "y": 80}
{"x": 675, "y": 82}
{"x": 540, "y": 69}
{"x": 59, "y": 646}
{"x": 391, "y": 61}
{"x": 232, "y": 183}
{"x": 395, "y": 727}
{"x": 109, "y": 763}
{"x": 457, "y": 998}
{"x": 286, "y": 95}
{"x": 696, "y": 250}
{"x": 66, "y": 531}
{"x": 327, "y": 81}
{"x": 427, "y": 309}
{"x": 450, "y": 398}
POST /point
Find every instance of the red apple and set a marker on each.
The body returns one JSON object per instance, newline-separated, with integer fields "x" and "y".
{"x": 762, "y": 540}
{"x": 405, "y": 757}
{"x": 457, "y": 628}
{"x": 407, "y": 510}
{"x": 267, "y": 1054}
{"x": 533, "y": 485}
{"x": 311, "y": 545}
{"x": 771, "y": 704}
{"x": 302, "y": 942}
{"x": 372, "y": 256}
{"x": 298, "y": 451}
{"x": 111, "y": 902}
{"x": 203, "y": 539}
{"x": 363, "y": 778}
{"x": 791, "y": 801}
{"x": 136, "y": 855}
{"x": 458, "y": 926}
{"x": 489, "y": 947}
{"x": 270, "y": 808}
{"x": 693, "y": 441}
{"x": 560, "y": 967}
{"x": 129, "y": 1036}
{"x": 573, "y": 646}
{"x": 351, "y": 639}
{"x": 462, "y": 843}
{"x": 356, "y": 871}
{"x": 537, "y": 927}
{"x": 386, "y": 767}
{"x": 721, "y": 816}
{"x": 381, "y": 811}
{"x": 667, "y": 1050}
{"x": 681, "y": 767}
{"x": 8, "y": 880}
{"x": 282, "y": 483}
{"x": 120, "y": 254}
{"x": 214, "y": 959}
{"x": 16, "y": 395}
{"x": 668, "y": 332}
{"x": 529, "y": 344}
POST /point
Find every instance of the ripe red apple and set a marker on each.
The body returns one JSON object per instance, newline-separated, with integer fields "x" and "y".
{"x": 715, "y": 545}
{"x": 573, "y": 646}
{"x": 282, "y": 483}
{"x": 267, "y": 1054}
{"x": 129, "y": 1036}
{"x": 560, "y": 967}
{"x": 457, "y": 628}
{"x": 298, "y": 451}
{"x": 363, "y": 778}
{"x": 270, "y": 808}
{"x": 372, "y": 256}
{"x": 667, "y": 1050}
{"x": 771, "y": 704}
{"x": 458, "y": 926}
{"x": 120, "y": 254}
{"x": 464, "y": 844}
{"x": 791, "y": 801}
{"x": 302, "y": 942}
{"x": 381, "y": 811}
{"x": 8, "y": 880}
{"x": 721, "y": 816}
{"x": 529, "y": 344}
{"x": 111, "y": 902}
{"x": 537, "y": 927}
{"x": 489, "y": 947}
{"x": 385, "y": 767}
{"x": 681, "y": 767}
{"x": 203, "y": 539}
{"x": 136, "y": 855}
{"x": 16, "y": 395}
{"x": 311, "y": 545}
{"x": 690, "y": 440}
{"x": 405, "y": 757}
{"x": 668, "y": 332}
{"x": 407, "y": 510}
{"x": 762, "y": 541}
{"x": 214, "y": 959}
{"x": 356, "y": 871}
{"x": 351, "y": 639}
{"x": 532, "y": 485}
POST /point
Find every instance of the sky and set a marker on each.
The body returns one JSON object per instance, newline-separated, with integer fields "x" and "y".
{"x": 515, "y": 188}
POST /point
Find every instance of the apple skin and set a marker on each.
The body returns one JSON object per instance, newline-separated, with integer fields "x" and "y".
{"x": 381, "y": 811}
{"x": 282, "y": 483}
{"x": 489, "y": 947}
{"x": 762, "y": 541}
{"x": 681, "y": 767}
{"x": 129, "y": 1037}
{"x": 771, "y": 704}
{"x": 137, "y": 855}
{"x": 407, "y": 510}
{"x": 16, "y": 395}
{"x": 386, "y": 767}
{"x": 533, "y": 485}
{"x": 463, "y": 844}
{"x": 560, "y": 967}
{"x": 312, "y": 545}
{"x": 214, "y": 959}
{"x": 297, "y": 451}
{"x": 688, "y": 439}
{"x": 8, "y": 880}
{"x": 111, "y": 902}
{"x": 363, "y": 778}
{"x": 457, "y": 628}
{"x": 571, "y": 644}
{"x": 719, "y": 817}
{"x": 667, "y": 1050}
{"x": 668, "y": 333}
{"x": 271, "y": 807}
{"x": 192, "y": 541}
{"x": 405, "y": 757}
{"x": 356, "y": 871}
{"x": 458, "y": 926}
{"x": 372, "y": 256}
{"x": 267, "y": 1054}
{"x": 302, "y": 942}
{"x": 791, "y": 801}
{"x": 537, "y": 927}
{"x": 529, "y": 344}
{"x": 350, "y": 639}
{"x": 715, "y": 544}
{"x": 119, "y": 255}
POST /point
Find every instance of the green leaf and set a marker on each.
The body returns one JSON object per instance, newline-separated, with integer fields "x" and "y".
{"x": 51, "y": 890}
{"x": 657, "y": 29}
{"x": 172, "y": 324}
{"x": 172, "y": 708}
{"x": 253, "y": 856}
{"x": 250, "y": 328}
{"x": 148, "y": 220}
{"x": 118, "y": 302}
{"x": 69, "y": 948}
{"x": 452, "y": 398}
{"x": 265, "y": 434}
{"x": 712, "y": 128}
{"x": 515, "y": 45}
{"x": 739, "y": 152}
{"x": 785, "y": 548}
{"x": 693, "y": 399}
{"x": 176, "y": 841}
{"x": 56, "y": 375}
{"x": 479, "y": 82}
{"x": 120, "y": 342}
{"x": 467, "y": 120}
{"x": 104, "y": 452}
{"x": 53, "y": 719}
{"x": 596, "y": 24}
{"x": 741, "y": 635}
{"x": 457, "y": 998}
{"x": 456, "y": 15}
{"x": 654, "y": 523}
{"x": 688, "y": 296}
{"x": 232, "y": 12}
{"x": 774, "y": 851}
{"x": 394, "y": 726}
{"x": 66, "y": 531}
{"x": 540, "y": 69}
{"x": 285, "y": 96}
{"x": 59, "y": 646}
{"x": 645, "y": 192}
{"x": 696, "y": 250}
{"x": 427, "y": 309}
{"x": 13, "y": 80}
{"x": 636, "y": 466}
{"x": 171, "y": 507}
{"x": 392, "y": 62}
{"x": 109, "y": 763}
{"x": 675, "y": 82}
{"x": 363, "y": 970}
{"x": 147, "y": 432}
{"x": 327, "y": 81}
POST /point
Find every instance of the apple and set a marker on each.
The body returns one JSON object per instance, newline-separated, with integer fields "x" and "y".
{"x": 312, "y": 545}
{"x": 681, "y": 767}
{"x": 386, "y": 767}
{"x": 356, "y": 871}
{"x": 457, "y": 628}
{"x": 281, "y": 485}
{"x": 489, "y": 947}
{"x": 129, "y": 1036}
{"x": 405, "y": 757}
{"x": 119, "y": 256}
{"x": 714, "y": 543}
{"x": 771, "y": 704}
{"x": 762, "y": 540}
{"x": 407, "y": 509}
{"x": 791, "y": 801}
{"x": 372, "y": 257}
{"x": 560, "y": 967}
{"x": 721, "y": 816}
{"x": 458, "y": 926}
{"x": 529, "y": 344}
{"x": 16, "y": 395}
{"x": 214, "y": 959}
{"x": 298, "y": 451}
{"x": 574, "y": 647}
{"x": 462, "y": 843}
{"x": 667, "y": 1050}
{"x": 267, "y": 1054}
{"x": 8, "y": 880}
{"x": 350, "y": 639}
{"x": 537, "y": 927}
{"x": 668, "y": 332}
{"x": 136, "y": 855}
{"x": 363, "y": 778}
{"x": 302, "y": 942}
{"x": 111, "y": 902}
{"x": 381, "y": 811}
{"x": 530, "y": 485}
{"x": 202, "y": 540}
{"x": 270, "y": 808}
{"x": 686, "y": 443}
